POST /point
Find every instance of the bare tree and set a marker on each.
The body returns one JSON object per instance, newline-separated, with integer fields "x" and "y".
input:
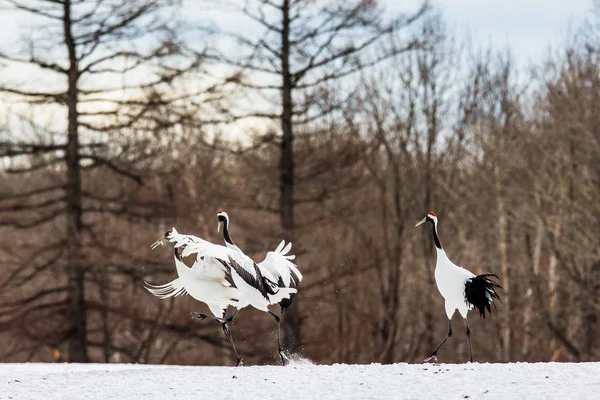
{"x": 568, "y": 185}
{"x": 309, "y": 47}
{"x": 86, "y": 47}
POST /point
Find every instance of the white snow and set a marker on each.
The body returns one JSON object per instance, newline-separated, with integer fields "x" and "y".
{"x": 301, "y": 380}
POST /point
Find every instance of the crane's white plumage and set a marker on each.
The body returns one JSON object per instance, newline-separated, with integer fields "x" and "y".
{"x": 461, "y": 289}
{"x": 206, "y": 281}
{"x": 450, "y": 280}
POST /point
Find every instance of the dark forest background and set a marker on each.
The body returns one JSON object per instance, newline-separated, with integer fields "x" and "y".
{"x": 337, "y": 125}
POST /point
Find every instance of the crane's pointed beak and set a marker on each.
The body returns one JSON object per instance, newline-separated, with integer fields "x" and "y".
{"x": 159, "y": 242}
{"x": 219, "y": 226}
{"x": 421, "y": 221}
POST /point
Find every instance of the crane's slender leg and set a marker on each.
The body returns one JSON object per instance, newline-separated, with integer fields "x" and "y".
{"x": 230, "y": 319}
{"x": 223, "y": 320}
{"x": 433, "y": 355}
{"x": 469, "y": 337}
{"x": 197, "y": 315}
{"x": 224, "y": 323}
{"x": 284, "y": 359}
{"x": 227, "y": 332}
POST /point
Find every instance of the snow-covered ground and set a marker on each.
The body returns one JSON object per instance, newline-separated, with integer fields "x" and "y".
{"x": 301, "y": 380}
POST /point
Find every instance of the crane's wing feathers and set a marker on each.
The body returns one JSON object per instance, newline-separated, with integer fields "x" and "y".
{"x": 264, "y": 285}
{"x": 280, "y": 247}
{"x": 228, "y": 276}
{"x": 286, "y": 249}
{"x": 171, "y": 289}
{"x": 288, "y": 277}
{"x": 295, "y": 279}
{"x": 278, "y": 264}
{"x": 191, "y": 244}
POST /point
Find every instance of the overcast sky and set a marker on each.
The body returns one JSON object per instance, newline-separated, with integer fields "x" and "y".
{"x": 528, "y": 26}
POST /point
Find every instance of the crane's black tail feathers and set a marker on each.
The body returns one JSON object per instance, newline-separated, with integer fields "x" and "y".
{"x": 480, "y": 291}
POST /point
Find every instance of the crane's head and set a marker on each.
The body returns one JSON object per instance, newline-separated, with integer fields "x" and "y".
{"x": 166, "y": 236}
{"x": 430, "y": 217}
{"x": 222, "y": 218}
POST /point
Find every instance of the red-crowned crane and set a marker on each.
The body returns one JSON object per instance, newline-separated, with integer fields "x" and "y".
{"x": 278, "y": 263}
{"x": 461, "y": 289}
{"x": 219, "y": 277}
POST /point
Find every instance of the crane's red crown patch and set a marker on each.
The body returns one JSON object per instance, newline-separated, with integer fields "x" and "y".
{"x": 431, "y": 213}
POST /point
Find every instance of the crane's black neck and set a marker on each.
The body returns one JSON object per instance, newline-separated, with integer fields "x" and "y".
{"x": 226, "y": 235}
{"x": 436, "y": 239}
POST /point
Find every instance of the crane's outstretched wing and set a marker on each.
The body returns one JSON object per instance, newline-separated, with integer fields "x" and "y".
{"x": 172, "y": 289}
{"x": 279, "y": 264}
{"x": 190, "y": 245}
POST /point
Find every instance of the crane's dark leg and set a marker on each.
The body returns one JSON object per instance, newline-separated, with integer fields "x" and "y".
{"x": 230, "y": 319}
{"x": 469, "y": 337}
{"x": 433, "y": 355}
{"x": 227, "y": 332}
{"x": 284, "y": 359}
{"x": 224, "y": 322}
{"x": 197, "y": 315}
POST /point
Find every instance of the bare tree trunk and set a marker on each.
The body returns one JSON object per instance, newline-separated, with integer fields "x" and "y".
{"x": 292, "y": 320}
{"x": 553, "y": 294}
{"x": 590, "y": 313}
{"x": 502, "y": 252}
{"x": 106, "y": 334}
{"x": 75, "y": 274}
{"x": 392, "y": 304}
{"x": 585, "y": 309}
{"x": 429, "y": 332}
{"x": 529, "y": 300}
